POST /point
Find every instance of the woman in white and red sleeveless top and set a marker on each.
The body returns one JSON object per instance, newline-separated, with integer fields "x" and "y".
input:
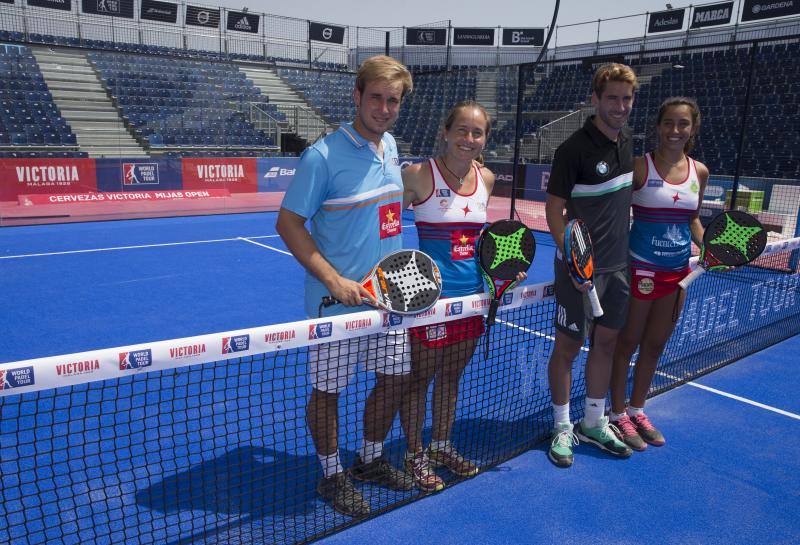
{"x": 450, "y": 194}
{"x": 668, "y": 191}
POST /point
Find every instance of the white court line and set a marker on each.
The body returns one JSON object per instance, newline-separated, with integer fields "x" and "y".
{"x": 114, "y": 248}
{"x": 733, "y": 396}
{"x": 264, "y": 245}
{"x": 534, "y": 332}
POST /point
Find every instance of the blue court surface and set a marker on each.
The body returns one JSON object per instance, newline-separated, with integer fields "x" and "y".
{"x": 728, "y": 474}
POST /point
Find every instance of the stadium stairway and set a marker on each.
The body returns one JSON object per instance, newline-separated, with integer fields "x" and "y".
{"x": 301, "y": 118}
{"x": 85, "y": 104}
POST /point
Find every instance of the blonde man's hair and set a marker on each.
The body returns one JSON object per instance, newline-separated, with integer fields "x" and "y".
{"x": 383, "y": 68}
{"x": 612, "y": 72}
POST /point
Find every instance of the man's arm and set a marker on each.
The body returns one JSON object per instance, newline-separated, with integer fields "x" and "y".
{"x": 554, "y": 212}
{"x": 291, "y": 228}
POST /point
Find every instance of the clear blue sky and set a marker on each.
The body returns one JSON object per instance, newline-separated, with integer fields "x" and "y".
{"x": 491, "y": 13}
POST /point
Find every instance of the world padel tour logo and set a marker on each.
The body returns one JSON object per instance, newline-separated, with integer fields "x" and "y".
{"x": 549, "y": 290}
{"x": 389, "y": 220}
{"x": 462, "y": 245}
{"x": 135, "y": 359}
{"x": 508, "y": 298}
{"x": 453, "y": 309}
{"x": 239, "y": 343}
{"x": 320, "y": 331}
{"x": 443, "y": 193}
{"x": 140, "y": 174}
{"x": 16, "y": 378}
{"x": 390, "y": 320}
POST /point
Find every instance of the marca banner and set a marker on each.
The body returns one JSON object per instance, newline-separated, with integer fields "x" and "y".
{"x": 715, "y": 14}
{"x": 275, "y": 173}
{"x": 237, "y": 175}
{"x": 65, "y": 5}
{"x": 755, "y": 10}
{"x": 243, "y": 22}
{"x": 325, "y": 33}
{"x": 138, "y": 174}
{"x": 473, "y": 36}
{"x": 426, "y": 36}
{"x": 165, "y": 12}
{"x": 666, "y": 21}
{"x": 523, "y": 36}
{"x": 111, "y": 8}
{"x": 205, "y": 17}
{"x": 35, "y": 176}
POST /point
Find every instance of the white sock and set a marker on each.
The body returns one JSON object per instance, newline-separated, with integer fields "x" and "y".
{"x": 633, "y": 411}
{"x": 440, "y": 445}
{"x": 561, "y": 414}
{"x": 594, "y": 411}
{"x": 330, "y": 464}
{"x": 616, "y": 416}
{"x": 371, "y": 451}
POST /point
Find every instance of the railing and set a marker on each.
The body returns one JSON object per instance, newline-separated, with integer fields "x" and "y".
{"x": 264, "y": 121}
{"x": 304, "y": 121}
{"x": 551, "y": 135}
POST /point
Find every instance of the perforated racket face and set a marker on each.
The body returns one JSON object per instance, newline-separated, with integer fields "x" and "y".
{"x": 413, "y": 281}
{"x": 505, "y": 249}
{"x": 734, "y": 238}
{"x": 578, "y": 249}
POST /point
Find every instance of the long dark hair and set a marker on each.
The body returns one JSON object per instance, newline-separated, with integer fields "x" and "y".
{"x": 695, "y": 112}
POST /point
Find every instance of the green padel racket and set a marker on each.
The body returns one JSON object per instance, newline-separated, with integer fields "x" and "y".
{"x": 732, "y": 239}
{"x": 505, "y": 249}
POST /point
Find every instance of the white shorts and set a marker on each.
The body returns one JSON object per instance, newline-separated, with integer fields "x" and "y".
{"x": 332, "y": 365}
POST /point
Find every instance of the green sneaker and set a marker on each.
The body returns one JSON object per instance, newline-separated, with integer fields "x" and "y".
{"x": 604, "y": 437}
{"x": 564, "y": 439}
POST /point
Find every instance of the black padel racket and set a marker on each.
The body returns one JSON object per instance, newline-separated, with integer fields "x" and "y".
{"x": 403, "y": 282}
{"x": 580, "y": 259}
{"x": 732, "y": 239}
{"x": 505, "y": 249}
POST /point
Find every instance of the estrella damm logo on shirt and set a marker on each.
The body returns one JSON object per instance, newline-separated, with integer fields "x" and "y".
{"x": 389, "y": 220}
{"x": 135, "y": 359}
{"x": 239, "y": 343}
{"x": 462, "y": 245}
{"x": 16, "y": 378}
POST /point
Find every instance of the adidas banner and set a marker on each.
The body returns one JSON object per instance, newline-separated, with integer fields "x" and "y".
{"x": 165, "y": 12}
{"x": 65, "y": 5}
{"x": 755, "y": 10}
{"x": 326, "y": 33}
{"x": 243, "y": 22}
{"x": 426, "y": 36}
{"x": 111, "y": 8}
{"x": 666, "y": 21}
{"x": 716, "y": 14}
{"x": 205, "y": 17}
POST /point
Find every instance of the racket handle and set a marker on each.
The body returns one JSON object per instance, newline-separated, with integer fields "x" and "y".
{"x": 689, "y": 278}
{"x": 597, "y": 309}
{"x": 328, "y": 301}
{"x": 492, "y": 312}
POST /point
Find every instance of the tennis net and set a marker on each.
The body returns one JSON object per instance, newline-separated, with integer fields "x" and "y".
{"x": 204, "y": 439}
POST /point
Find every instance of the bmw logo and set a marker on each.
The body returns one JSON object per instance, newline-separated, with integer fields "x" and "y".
{"x": 601, "y": 168}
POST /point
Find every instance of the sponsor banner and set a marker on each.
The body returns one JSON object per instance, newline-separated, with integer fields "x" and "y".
{"x": 755, "y": 10}
{"x": 503, "y": 178}
{"x": 133, "y": 196}
{"x": 237, "y": 175}
{"x": 715, "y": 14}
{"x": 243, "y": 22}
{"x": 165, "y": 12}
{"x": 275, "y": 173}
{"x": 523, "y": 36}
{"x": 37, "y": 176}
{"x": 426, "y": 36}
{"x": 205, "y": 17}
{"x": 110, "y": 8}
{"x": 666, "y": 21}
{"x": 473, "y": 36}
{"x": 6, "y": 1}
{"x": 320, "y": 32}
{"x": 536, "y": 179}
{"x": 138, "y": 174}
{"x": 80, "y": 368}
{"x": 65, "y": 5}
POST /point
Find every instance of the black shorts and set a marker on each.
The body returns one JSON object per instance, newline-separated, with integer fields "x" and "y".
{"x": 573, "y": 310}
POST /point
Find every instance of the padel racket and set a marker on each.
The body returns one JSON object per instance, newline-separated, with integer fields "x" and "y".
{"x": 403, "y": 282}
{"x": 505, "y": 249}
{"x": 580, "y": 259}
{"x": 732, "y": 239}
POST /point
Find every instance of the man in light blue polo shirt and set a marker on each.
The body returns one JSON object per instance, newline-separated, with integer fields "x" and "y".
{"x": 348, "y": 185}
